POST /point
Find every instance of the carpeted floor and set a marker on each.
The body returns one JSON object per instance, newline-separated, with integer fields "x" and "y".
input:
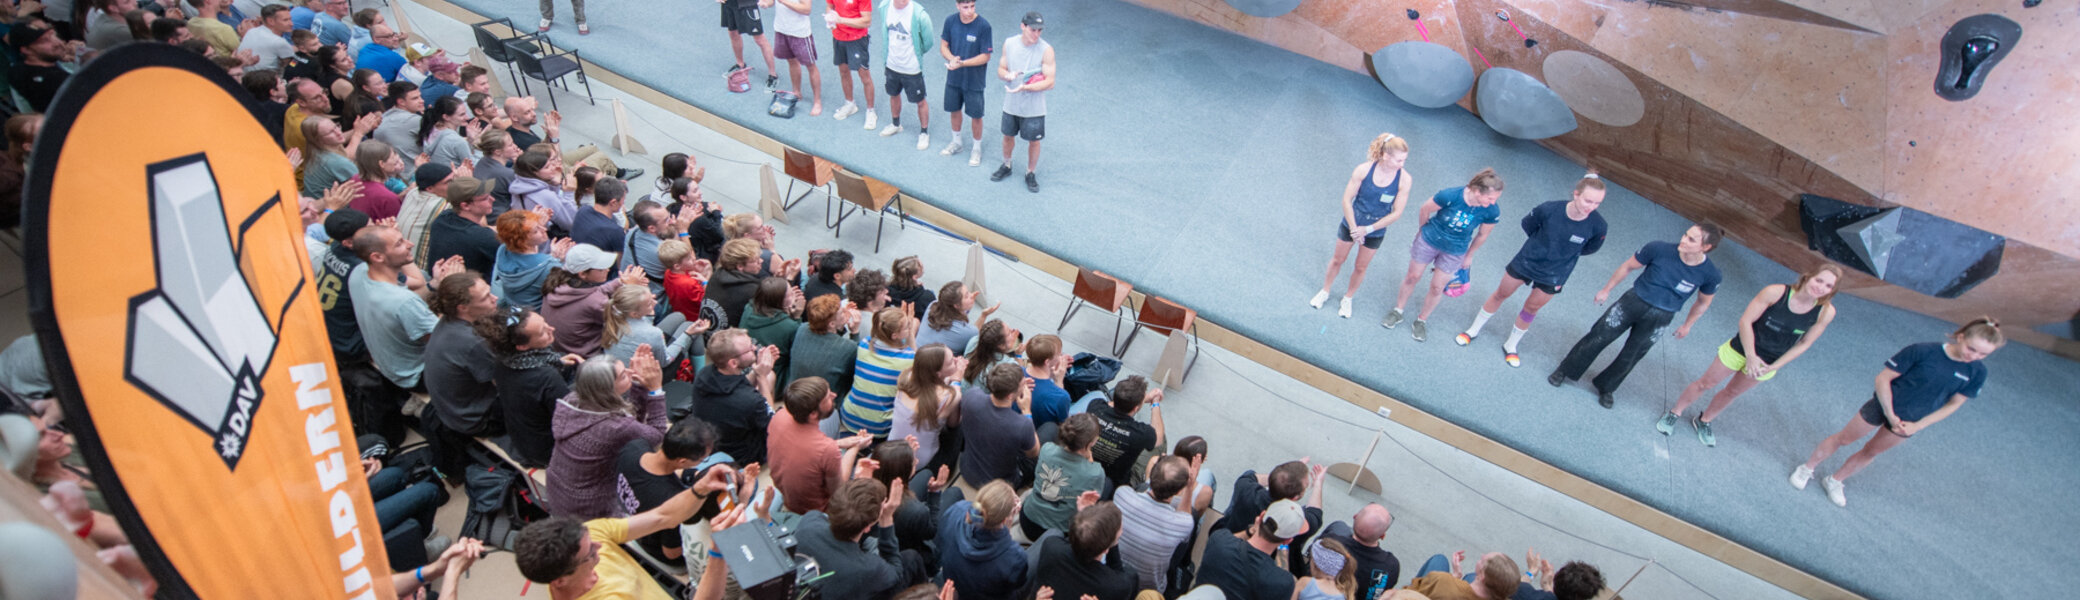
{"x": 1206, "y": 168}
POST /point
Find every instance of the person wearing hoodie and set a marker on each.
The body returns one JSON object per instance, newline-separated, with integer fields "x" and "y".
{"x": 853, "y": 540}
{"x": 736, "y": 279}
{"x": 770, "y": 319}
{"x": 577, "y": 297}
{"x": 539, "y": 181}
{"x": 521, "y": 265}
{"x": 976, "y": 550}
{"x": 603, "y": 412}
{"x": 529, "y": 379}
{"x": 734, "y": 392}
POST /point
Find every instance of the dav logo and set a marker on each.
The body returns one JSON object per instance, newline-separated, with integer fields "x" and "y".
{"x": 199, "y": 341}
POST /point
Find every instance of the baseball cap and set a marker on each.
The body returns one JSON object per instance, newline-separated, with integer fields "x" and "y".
{"x": 1032, "y": 19}
{"x": 464, "y": 188}
{"x": 586, "y": 257}
{"x": 342, "y": 224}
{"x": 417, "y": 50}
{"x": 1286, "y": 519}
{"x": 26, "y": 33}
{"x": 432, "y": 174}
{"x": 439, "y": 63}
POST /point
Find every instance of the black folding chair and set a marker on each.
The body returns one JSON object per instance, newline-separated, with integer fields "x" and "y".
{"x": 550, "y": 67}
{"x": 495, "y": 47}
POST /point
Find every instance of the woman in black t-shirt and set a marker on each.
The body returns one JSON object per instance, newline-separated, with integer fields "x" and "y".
{"x": 1778, "y": 326}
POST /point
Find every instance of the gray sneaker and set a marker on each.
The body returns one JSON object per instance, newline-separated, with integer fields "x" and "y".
{"x": 1667, "y": 424}
{"x": 1419, "y": 330}
{"x": 1704, "y": 432}
{"x": 1393, "y": 319}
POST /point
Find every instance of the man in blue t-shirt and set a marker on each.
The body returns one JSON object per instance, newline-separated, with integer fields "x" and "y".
{"x": 1556, "y": 234}
{"x": 1672, "y": 273}
{"x": 1455, "y": 224}
{"x": 966, "y": 44}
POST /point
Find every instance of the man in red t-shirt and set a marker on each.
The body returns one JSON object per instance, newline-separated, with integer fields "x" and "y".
{"x": 849, "y": 20}
{"x": 806, "y": 464}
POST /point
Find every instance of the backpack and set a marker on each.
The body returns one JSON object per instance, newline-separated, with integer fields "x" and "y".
{"x": 783, "y": 105}
{"x": 1089, "y": 373}
{"x": 740, "y": 80}
{"x": 500, "y": 505}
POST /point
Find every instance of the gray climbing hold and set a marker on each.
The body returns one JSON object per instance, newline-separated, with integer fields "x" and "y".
{"x": 1423, "y": 74}
{"x": 1518, "y": 105}
{"x": 1875, "y": 237}
{"x": 1265, "y": 8}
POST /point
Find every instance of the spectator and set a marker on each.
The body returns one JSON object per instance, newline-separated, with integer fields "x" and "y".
{"x": 362, "y": 36}
{"x": 1122, "y": 440}
{"x": 1242, "y": 565}
{"x": 303, "y": 12}
{"x": 394, "y": 319}
{"x": 405, "y": 509}
{"x": 583, "y": 178}
{"x": 650, "y": 476}
{"x": 307, "y": 99}
{"x": 1376, "y": 569}
{"x": 377, "y": 167}
{"x": 459, "y": 369}
{"x": 705, "y": 230}
{"x": 833, "y": 272}
{"x": 675, "y": 166}
{"x": 381, "y": 54}
{"x": 1199, "y": 496}
{"x": 403, "y": 123}
{"x": 736, "y": 279}
{"x": 328, "y": 152}
{"x": 305, "y": 62}
{"x": 1064, "y": 472}
{"x": 1574, "y": 581}
{"x": 976, "y": 551}
{"x": 1289, "y": 481}
{"x": 271, "y": 99}
{"x": 330, "y": 23}
{"x": 21, "y": 133}
{"x": 650, "y": 225}
{"x": 427, "y": 199}
{"x": 37, "y": 77}
{"x": 1332, "y": 573}
{"x": 1074, "y": 566}
{"x": 808, "y": 466}
{"x": 838, "y": 539}
{"x": 539, "y": 182}
{"x": 576, "y": 297}
{"x": 335, "y": 71}
{"x": 441, "y": 80}
{"x": 926, "y": 401}
{"x": 523, "y": 112}
{"x": 686, "y": 281}
{"x": 603, "y": 413}
{"x": 170, "y": 30}
{"x": 335, "y": 268}
{"x": 595, "y": 224}
{"x": 734, "y": 393}
{"x": 904, "y": 288}
{"x": 881, "y": 357}
{"x": 868, "y": 292}
{"x": 770, "y": 264}
{"x": 946, "y": 319}
{"x": 461, "y": 230}
{"x": 820, "y": 347}
{"x": 496, "y": 166}
{"x": 770, "y": 320}
{"x": 1496, "y": 579}
{"x": 528, "y": 379}
{"x": 475, "y": 80}
{"x": 521, "y": 267}
{"x": 220, "y": 35}
{"x": 997, "y": 429}
{"x": 628, "y": 327}
{"x": 1046, "y": 365}
{"x": 924, "y": 496}
{"x": 446, "y": 142}
{"x": 269, "y": 41}
{"x": 107, "y": 26}
{"x": 995, "y": 343}
{"x": 584, "y": 559}
{"x": 1152, "y": 526}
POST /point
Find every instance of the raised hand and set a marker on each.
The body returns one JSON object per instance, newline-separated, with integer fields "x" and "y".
{"x": 295, "y": 158}
{"x": 342, "y": 194}
{"x": 447, "y": 266}
{"x": 570, "y": 359}
{"x": 648, "y": 372}
{"x": 939, "y": 480}
{"x": 634, "y": 275}
{"x": 865, "y": 468}
{"x": 560, "y": 247}
{"x": 698, "y": 327}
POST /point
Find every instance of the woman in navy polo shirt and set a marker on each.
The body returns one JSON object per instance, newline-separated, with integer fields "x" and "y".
{"x": 1920, "y": 386}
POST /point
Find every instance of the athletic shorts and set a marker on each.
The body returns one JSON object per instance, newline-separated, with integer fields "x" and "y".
{"x": 1872, "y": 413}
{"x": 787, "y": 47}
{"x": 910, "y": 85}
{"x": 1030, "y": 129}
{"x": 967, "y": 101}
{"x": 1422, "y": 253}
{"x": 1737, "y": 360}
{"x": 743, "y": 20}
{"x": 1372, "y": 242}
{"x": 850, "y": 54}
{"x": 1511, "y": 270}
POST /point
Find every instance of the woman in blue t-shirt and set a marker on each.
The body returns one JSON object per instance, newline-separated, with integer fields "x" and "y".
{"x": 1919, "y": 387}
{"x": 1370, "y": 207}
{"x": 1778, "y": 326}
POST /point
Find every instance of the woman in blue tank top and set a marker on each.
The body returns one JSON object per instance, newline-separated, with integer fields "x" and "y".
{"x": 1377, "y": 191}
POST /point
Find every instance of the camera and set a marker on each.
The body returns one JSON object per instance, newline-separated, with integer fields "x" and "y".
{"x": 764, "y": 561}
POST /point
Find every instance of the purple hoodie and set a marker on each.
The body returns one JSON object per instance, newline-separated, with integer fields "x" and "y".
{"x": 579, "y": 316}
{"x": 581, "y": 470}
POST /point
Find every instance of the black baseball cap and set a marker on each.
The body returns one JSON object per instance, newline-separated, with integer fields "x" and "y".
{"x": 342, "y": 224}
{"x": 1032, "y": 19}
{"x": 25, "y": 33}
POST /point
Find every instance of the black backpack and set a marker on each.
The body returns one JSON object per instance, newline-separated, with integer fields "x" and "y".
{"x": 1088, "y": 373}
{"x": 500, "y": 505}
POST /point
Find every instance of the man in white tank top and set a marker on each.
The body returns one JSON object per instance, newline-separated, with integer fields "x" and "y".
{"x": 1028, "y": 72}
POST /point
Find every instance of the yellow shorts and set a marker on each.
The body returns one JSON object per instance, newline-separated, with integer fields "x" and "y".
{"x": 1737, "y": 360}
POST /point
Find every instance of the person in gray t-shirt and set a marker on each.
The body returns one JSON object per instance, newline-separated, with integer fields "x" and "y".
{"x": 1028, "y": 72}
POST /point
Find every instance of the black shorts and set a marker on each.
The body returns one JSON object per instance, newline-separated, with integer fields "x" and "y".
{"x": 743, "y": 20}
{"x": 1031, "y": 129}
{"x": 1511, "y": 270}
{"x": 1872, "y": 413}
{"x": 1372, "y": 242}
{"x": 852, "y": 54}
{"x": 911, "y": 85}
{"x": 967, "y": 101}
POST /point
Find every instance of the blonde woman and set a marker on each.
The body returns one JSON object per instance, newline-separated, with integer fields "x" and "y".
{"x": 1778, "y": 326}
{"x": 1375, "y": 196}
{"x": 882, "y": 356}
{"x": 627, "y": 327}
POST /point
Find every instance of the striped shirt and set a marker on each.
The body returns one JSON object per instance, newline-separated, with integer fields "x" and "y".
{"x": 873, "y": 396}
{"x": 1149, "y": 533}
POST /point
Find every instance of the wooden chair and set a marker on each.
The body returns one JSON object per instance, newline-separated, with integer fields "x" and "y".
{"x": 866, "y": 194}
{"x": 1166, "y": 317}
{"x": 806, "y": 168}
{"x": 1097, "y": 289}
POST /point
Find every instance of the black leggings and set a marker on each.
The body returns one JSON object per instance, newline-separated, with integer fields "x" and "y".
{"x": 1629, "y": 314}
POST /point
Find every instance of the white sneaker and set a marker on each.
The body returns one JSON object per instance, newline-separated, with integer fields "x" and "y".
{"x": 845, "y": 111}
{"x": 545, "y": 25}
{"x": 952, "y": 148}
{"x": 1319, "y": 298}
{"x": 924, "y": 141}
{"x": 1834, "y": 491}
{"x": 975, "y": 157}
{"x": 891, "y": 130}
{"x": 1344, "y": 310}
{"x": 871, "y": 121}
{"x": 1800, "y": 476}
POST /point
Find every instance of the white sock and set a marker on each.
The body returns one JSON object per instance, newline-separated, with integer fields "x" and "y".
{"x": 1478, "y": 323}
{"x": 1515, "y": 335}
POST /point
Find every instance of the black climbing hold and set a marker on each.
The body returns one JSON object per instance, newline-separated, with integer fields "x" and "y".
{"x": 1413, "y": 15}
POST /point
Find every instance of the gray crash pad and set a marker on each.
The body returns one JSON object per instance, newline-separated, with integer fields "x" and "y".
{"x": 1518, "y": 105}
{"x": 1423, "y": 74}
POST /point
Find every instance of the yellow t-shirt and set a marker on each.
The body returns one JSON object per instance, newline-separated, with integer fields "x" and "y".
{"x": 620, "y": 578}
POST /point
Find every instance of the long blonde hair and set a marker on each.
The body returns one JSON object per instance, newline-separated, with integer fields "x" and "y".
{"x": 626, "y": 303}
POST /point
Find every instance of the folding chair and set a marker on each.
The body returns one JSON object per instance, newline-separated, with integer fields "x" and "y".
{"x": 866, "y": 194}
{"x": 550, "y": 67}
{"x": 1166, "y": 317}
{"x": 1097, "y": 289}
{"x": 810, "y": 169}
{"x": 495, "y": 48}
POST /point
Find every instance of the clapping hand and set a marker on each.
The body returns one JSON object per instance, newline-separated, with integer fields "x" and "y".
{"x": 647, "y": 371}
{"x": 939, "y": 480}
{"x": 698, "y": 327}
{"x": 295, "y": 158}
{"x": 865, "y": 467}
{"x": 634, "y": 275}
{"x": 447, "y": 266}
{"x": 342, "y": 194}
{"x": 559, "y": 247}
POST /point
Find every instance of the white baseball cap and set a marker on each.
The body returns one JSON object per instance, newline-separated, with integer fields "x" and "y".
{"x": 1288, "y": 521}
{"x": 586, "y": 257}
